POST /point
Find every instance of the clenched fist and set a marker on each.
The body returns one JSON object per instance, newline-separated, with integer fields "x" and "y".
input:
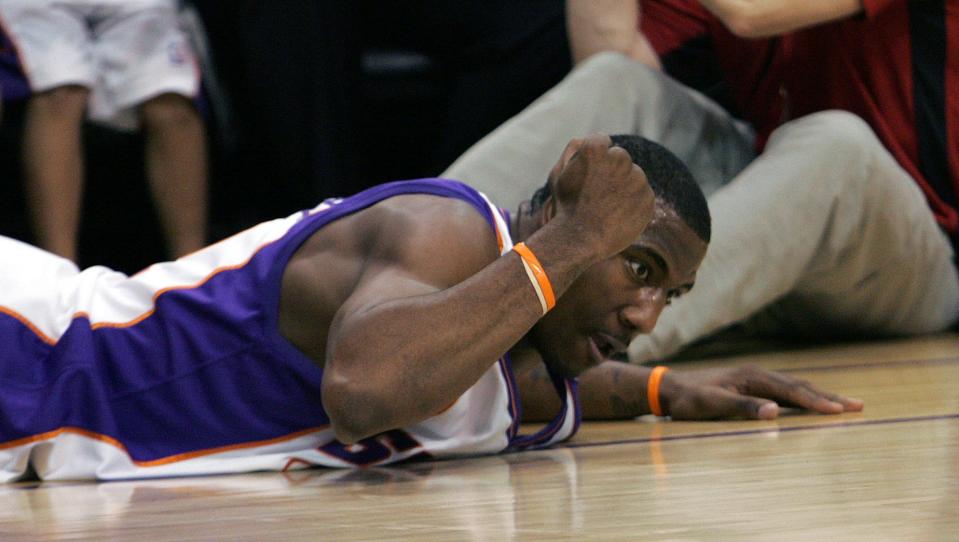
{"x": 601, "y": 196}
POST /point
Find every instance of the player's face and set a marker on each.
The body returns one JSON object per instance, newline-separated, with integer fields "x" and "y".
{"x": 620, "y": 297}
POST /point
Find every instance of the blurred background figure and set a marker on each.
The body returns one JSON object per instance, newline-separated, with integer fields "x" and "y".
{"x": 891, "y": 62}
{"x": 301, "y": 100}
{"x": 122, "y": 62}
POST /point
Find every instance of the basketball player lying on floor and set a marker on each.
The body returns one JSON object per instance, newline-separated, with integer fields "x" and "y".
{"x": 391, "y": 325}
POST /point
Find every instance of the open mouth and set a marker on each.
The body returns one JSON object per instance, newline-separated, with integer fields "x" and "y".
{"x": 606, "y": 346}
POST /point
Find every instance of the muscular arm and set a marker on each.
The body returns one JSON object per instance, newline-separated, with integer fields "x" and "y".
{"x": 428, "y": 317}
{"x": 763, "y": 18}
{"x": 407, "y": 344}
{"x": 607, "y": 25}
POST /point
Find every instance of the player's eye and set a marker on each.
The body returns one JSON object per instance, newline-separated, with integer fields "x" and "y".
{"x": 638, "y": 269}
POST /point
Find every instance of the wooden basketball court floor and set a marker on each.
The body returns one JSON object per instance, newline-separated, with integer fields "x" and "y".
{"x": 888, "y": 473}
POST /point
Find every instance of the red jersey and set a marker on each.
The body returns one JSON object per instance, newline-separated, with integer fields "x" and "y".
{"x": 896, "y": 66}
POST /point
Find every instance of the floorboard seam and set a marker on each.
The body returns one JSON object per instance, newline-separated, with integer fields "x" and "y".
{"x": 747, "y": 432}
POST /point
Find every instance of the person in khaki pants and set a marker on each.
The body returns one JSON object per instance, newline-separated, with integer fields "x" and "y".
{"x": 822, "y": 235}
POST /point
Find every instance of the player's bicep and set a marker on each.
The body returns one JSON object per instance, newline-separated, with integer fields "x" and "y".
{"x": 419, "y": 262}
{"x": 381, "y": 287}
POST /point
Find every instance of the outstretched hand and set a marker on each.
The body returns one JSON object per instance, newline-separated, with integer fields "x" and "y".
{"x": 744, "y": 392}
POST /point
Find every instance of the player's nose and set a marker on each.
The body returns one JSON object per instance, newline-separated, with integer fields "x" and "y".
{"x": 641, "y": 315}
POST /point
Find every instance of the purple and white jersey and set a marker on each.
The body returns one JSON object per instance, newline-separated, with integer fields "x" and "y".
{"x": 181, "y": 369}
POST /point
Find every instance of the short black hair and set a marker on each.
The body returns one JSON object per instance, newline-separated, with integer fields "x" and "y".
{"x": 668, "y": 176}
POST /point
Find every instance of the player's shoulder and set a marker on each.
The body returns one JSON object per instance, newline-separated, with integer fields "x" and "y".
{"x": 435, "y": 239}
{"x": 417, "y": 225}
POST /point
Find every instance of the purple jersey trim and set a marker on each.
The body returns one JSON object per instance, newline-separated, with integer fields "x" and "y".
{"x": 12, "y": 79}
{"x": 520, "y": 442}
{"x": 208, "y": 369}
{"x": 512, "y": 390}
{"x": 543, "y": 436}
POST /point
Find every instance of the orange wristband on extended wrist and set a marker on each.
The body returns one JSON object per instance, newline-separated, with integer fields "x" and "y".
{"x": 652, "y": 389}
{"x": 537, "y": 277}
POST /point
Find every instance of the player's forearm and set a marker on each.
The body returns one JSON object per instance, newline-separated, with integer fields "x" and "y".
{"x": 763, "y": 18}
{"x": 610, "y": 391}
{"x": 614, "y": 390}
{"x": 438, "y": 344}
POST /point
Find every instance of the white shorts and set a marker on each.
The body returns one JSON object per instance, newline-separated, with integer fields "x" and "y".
{"x": 124, "y": 51}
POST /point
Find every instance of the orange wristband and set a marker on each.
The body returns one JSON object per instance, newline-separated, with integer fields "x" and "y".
{"x": 652, "y": 389}
{"x": 538, "y": 278}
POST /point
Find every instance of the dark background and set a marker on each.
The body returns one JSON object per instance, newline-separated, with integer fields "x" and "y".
{"x": 315, "y": 98}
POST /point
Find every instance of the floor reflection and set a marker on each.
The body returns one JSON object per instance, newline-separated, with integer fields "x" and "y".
{"x": 476, "y": 498}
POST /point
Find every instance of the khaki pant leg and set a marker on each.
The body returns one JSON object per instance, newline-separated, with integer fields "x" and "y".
{"x": 609, "y": 93}
{"x": 823, "y": 234}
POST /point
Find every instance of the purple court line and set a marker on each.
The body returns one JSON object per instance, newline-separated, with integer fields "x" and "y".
{"x": 693, "y": 436}
{"x": 869, "y": 364}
